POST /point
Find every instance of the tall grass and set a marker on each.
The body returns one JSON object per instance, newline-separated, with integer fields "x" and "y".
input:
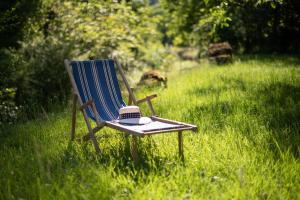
{"x": 247, "y": 146}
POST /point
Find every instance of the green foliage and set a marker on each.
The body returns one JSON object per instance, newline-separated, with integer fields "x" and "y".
{"x": 247, "y": 146}
{"x": 263, "y": 26}
{"x": 13, "y": 17}
{"x": 101, "y": 29}
{"x": 250, "y": 26}
{"x": 79, "y": 30}
{"x": 195, "y": 22}
{"x": 9, "y": 112}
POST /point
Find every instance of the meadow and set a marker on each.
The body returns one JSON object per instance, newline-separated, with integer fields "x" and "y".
{"x": 247, "y": 145}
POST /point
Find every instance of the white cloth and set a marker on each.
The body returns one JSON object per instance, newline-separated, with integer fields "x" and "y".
{"x": 152, "y": 126}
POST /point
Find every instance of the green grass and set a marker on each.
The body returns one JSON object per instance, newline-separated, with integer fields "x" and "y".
{"x": 247, "y": 146}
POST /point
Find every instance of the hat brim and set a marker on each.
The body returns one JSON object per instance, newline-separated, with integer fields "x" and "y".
{"x": 136, "y": 121}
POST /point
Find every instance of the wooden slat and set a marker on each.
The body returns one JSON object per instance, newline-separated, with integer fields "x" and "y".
{"x": 100, "y": 126}
{"x": 151, "y": 106}
{"x": 180, "y": 145}
{"x": 175, "y": 122}
{"x": 96, "y": 129}
{"x": 98, "y": 121}
{"x": 134, "y": 150}
{"x": 92, "y": 136}
{"x": 73, "y": 116}
{"x": 167, "y": 130}
{"x": 74, "y": 86}
{"x": 146, "y": 98}
{"x": 125, "y": 81}
{"x": 129, "y": 100}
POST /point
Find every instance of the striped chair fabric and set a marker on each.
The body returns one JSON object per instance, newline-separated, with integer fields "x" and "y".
{"x": 97, "y": 80}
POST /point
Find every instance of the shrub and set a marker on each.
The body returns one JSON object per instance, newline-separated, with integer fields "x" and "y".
{"x": 80, "y": 30}
{"x": 9, "y": 112}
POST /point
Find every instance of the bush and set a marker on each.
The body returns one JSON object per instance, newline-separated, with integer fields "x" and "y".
{"x": 9, "y": 112}
{"x": 80, "y": 30}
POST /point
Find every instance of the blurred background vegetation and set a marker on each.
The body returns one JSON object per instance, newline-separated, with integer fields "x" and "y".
{"x": 37, "y": 35}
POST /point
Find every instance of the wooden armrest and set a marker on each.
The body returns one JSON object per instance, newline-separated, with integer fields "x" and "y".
{"x": 147, "y": 98}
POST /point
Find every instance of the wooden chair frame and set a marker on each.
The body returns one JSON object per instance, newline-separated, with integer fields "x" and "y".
{"x": 131, "y": 100}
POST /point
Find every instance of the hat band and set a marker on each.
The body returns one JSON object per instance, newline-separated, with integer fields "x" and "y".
{"x": 130, "y": 115}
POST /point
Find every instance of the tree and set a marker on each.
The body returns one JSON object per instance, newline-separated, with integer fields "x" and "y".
{"x": 78, "y": 30}
{"x": 13, "y": 17}
{"x": 252, "y": 25}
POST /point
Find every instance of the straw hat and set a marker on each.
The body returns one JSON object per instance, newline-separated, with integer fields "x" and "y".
{"x": 132, "y": 115}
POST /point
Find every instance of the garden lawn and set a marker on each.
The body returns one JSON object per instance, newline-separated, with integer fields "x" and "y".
{"x": 247, "y": 146}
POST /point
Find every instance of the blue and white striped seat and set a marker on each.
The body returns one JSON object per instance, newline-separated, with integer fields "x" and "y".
{"x": 97, "y": 80}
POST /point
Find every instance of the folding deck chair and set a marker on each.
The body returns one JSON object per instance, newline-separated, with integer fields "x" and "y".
{"x": 96, "y": 89}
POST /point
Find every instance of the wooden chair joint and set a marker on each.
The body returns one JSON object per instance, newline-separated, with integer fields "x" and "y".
{"x": 86, "y": 104}
{"x": 147, "y": 98}
{"x": 91, "y": 103}
{"x": 94, "y": 130}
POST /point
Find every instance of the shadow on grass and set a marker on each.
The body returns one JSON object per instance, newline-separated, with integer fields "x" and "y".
{"x": 277, "y": 104}
{"x": 280, "y": 105}
{"x": 215, "y": 113}
{"x": 281, "y": 60}
{"x": 228, "y": 84}
{"x": 119, "y": 156}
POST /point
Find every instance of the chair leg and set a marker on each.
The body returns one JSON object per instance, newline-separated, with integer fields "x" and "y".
{"x": 94, "y": 140}
{"x": 180, "y": 145}
{"x": 134, "y": 150}
{"x": 92, "y": 136}
{"x": 73, "y": 117}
